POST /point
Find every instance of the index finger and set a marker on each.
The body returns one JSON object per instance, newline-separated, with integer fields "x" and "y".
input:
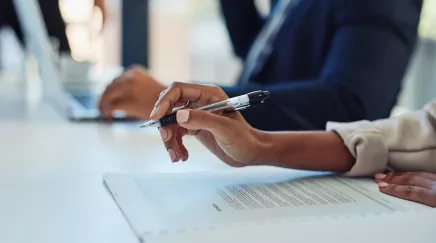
{"x": 412, "y": 193}
{"x": 410, "y": 180}
{"x": 197, "y": 95}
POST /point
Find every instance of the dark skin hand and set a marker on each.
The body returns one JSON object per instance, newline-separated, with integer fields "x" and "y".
{"x": 238, "y": 144}
{"x": 418, "y": 187}
{"x": 133, "y": 92}
{"x": 193, "y": 96}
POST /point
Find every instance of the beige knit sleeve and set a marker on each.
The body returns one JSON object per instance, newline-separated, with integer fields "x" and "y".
{"x": 402, "y": 143}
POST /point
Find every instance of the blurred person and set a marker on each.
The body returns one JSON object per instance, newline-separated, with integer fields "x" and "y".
{"x": 398, "y": 151}
{"x": 52, "y": 17}
{"x": 323, "y": 60}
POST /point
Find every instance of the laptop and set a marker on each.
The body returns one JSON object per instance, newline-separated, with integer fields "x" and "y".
{"x": 76, "y": 104}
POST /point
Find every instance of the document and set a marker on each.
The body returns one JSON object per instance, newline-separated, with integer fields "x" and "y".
{"x": 226, "y": 199}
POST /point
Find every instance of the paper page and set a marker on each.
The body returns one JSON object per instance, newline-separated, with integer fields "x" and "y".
{"x": 195, "y": 201}
{"x": 402, "y": 228}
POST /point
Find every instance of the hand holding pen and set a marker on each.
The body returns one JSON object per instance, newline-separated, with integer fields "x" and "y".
{"x": 229, "y": 105}
{"x": 226, "y": 134}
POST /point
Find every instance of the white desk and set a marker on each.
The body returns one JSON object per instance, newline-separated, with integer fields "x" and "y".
{"x": 51, "y": 179}
{"x": 51, "y": 184}
{"x": 51, "y": 173}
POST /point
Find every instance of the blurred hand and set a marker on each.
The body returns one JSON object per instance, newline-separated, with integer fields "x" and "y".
{"x": 414, "y": 186}
{"x": 102, "y": 6}
{"x": 134, "y": 92}
{"x": 228, "y": 136}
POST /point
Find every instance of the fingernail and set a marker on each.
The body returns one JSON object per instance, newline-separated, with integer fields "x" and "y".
{"x": 172, "y": 154}
{"x": 380, "y": 176}
{"x": 383, "y": 184}
{"x": 163, "y": 134}
{"x": 182, "y": 116}
{"x": 154, "y": 111}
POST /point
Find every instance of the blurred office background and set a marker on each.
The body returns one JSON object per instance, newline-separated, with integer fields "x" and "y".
{"x": 187, "y": 40}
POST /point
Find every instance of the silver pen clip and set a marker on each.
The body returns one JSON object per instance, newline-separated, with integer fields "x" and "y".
{"x": 242, "y": 108}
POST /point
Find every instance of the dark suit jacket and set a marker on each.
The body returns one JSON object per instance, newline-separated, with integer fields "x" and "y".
{"x": 333, "y": 60}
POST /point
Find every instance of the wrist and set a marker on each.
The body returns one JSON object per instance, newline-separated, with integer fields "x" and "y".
{"x": 264, "y": 148}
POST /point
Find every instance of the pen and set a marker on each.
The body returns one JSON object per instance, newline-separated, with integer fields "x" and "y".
{"x": 233, "y": 104}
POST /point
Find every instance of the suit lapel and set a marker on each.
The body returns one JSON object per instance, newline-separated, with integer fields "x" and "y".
{"x": 295, "y": 15}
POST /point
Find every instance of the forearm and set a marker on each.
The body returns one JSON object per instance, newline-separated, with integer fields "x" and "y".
{"x": 318, "y": 151}
{"x": 402, "y": 143}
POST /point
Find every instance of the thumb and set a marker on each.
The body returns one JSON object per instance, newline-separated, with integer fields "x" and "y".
{"x": 220, "y": 126}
